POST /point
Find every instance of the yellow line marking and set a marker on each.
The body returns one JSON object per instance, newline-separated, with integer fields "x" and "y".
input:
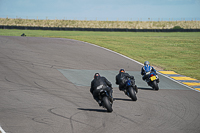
{"x": 197, "y": 89}
{"x": 167, "y": 72}
{"x": 191, "y": 84}
{"x": 183, "y": 78}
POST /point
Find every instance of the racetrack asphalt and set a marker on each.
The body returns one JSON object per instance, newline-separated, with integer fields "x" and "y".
{"x": 45, "y": 82}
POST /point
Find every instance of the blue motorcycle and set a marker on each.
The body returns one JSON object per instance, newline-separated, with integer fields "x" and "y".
{"x": 131, "y": 90}
{"x": 153, "y": 80}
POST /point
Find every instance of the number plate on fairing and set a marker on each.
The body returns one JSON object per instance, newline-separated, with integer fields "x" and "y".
{"x": 153, "y": 78}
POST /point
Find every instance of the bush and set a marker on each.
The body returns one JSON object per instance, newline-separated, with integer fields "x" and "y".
{"x": 177, "y": 27}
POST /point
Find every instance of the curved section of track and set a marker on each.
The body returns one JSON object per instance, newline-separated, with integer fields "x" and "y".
{"x": 44, "y": 87}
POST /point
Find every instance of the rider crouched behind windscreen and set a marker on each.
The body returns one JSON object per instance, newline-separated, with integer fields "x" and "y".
{"x": 146, "y": 69}
{"x": 121, "y": 79}
{"x": 102, "y": 82}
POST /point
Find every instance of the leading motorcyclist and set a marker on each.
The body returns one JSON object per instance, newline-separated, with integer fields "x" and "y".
{"x": 100, "y": 81}
{"x": 145, "y": 69}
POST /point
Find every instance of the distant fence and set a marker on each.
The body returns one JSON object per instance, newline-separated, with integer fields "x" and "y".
{"x": 98, "y": 29}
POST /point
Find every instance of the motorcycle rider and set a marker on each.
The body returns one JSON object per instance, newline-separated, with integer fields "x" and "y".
{"x": 121, "y": 79}
{"x": 147, "y": 68}
{"x": 100, "y": 81}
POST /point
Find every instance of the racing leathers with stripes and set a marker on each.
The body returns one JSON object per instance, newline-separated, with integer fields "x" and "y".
{"x": 145, "y": 69}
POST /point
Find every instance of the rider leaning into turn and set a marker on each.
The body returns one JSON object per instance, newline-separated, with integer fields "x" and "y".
{"x": 121, "y": 79}
{"x": 147, "y": 68}
{"x": 98, "y": 81}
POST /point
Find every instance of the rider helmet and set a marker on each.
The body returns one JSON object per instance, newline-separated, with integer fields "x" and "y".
{"x": 122, "y": 70}
{"x": 146, "y": 63}
{"x": 96, "y": 75}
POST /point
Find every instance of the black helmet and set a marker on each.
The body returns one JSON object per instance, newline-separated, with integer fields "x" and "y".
{"x": 122, "y": 70}
{"x": 146, "y": 63}
{"x": 96, "y": 75}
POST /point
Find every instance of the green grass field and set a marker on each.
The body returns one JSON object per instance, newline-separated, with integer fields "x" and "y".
{"x": 177, "y": 51}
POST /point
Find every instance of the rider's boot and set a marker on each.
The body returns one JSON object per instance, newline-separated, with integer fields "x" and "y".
{"x": 110, "y": 96}
{"x": 125, "y": 91}
{"x": 149, "y": 83}
{"x": 136, "y": 89}
{"x": 99, "y": 102}
{"x": 111, "y": 99}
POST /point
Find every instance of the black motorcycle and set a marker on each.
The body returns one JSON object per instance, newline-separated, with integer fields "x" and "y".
{"x": 153, "y": 80}
{"x": 131, "y": 90}
{"x": 106, "y": 100}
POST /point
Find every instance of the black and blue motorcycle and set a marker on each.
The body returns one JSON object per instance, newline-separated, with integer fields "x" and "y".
{"x": 131, "y": 90}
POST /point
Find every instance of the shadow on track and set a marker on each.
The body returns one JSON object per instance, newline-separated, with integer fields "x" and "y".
{"x": 142, "y": 88}
{"x": 96, "y": 110}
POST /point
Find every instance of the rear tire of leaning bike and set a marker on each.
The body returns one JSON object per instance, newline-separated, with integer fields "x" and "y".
{"x": 155, "y": 85}
{"x": 132, "y": 93}
{"x": 107, "y": 104}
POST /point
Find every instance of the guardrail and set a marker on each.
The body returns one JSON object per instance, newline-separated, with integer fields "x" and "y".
{"x": 97, "y": 29}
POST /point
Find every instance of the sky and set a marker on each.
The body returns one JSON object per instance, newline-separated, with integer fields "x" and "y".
{"x": 103, "y": 10}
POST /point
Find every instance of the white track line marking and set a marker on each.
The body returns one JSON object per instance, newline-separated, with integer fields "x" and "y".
{"x": 138, "y": 63}
{"x": 2, "y": 131}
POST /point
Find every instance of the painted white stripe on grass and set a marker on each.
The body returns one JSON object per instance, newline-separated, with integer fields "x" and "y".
{"x": 138, "y": 63}
{"x": 2, "y": 131}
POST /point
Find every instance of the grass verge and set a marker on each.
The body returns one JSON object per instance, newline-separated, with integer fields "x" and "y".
{"x": 175, "y": 51}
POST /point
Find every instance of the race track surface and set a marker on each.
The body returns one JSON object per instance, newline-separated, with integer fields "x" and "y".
{"x": 44, "y": 88}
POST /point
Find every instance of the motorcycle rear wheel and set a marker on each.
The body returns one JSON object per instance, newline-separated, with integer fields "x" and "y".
{"x": 155, "y": 85}
{"x": 106, "y": 104}
{"x": 132, "y": 93}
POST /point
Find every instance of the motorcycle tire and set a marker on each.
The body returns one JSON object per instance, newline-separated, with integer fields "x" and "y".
{"x": 106, "y": 104}
{"x": 155, "y": 85}
{"x": 132, "y": 94}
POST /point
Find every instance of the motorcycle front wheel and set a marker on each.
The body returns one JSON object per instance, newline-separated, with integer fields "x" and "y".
{"x": 107, "y": 104}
